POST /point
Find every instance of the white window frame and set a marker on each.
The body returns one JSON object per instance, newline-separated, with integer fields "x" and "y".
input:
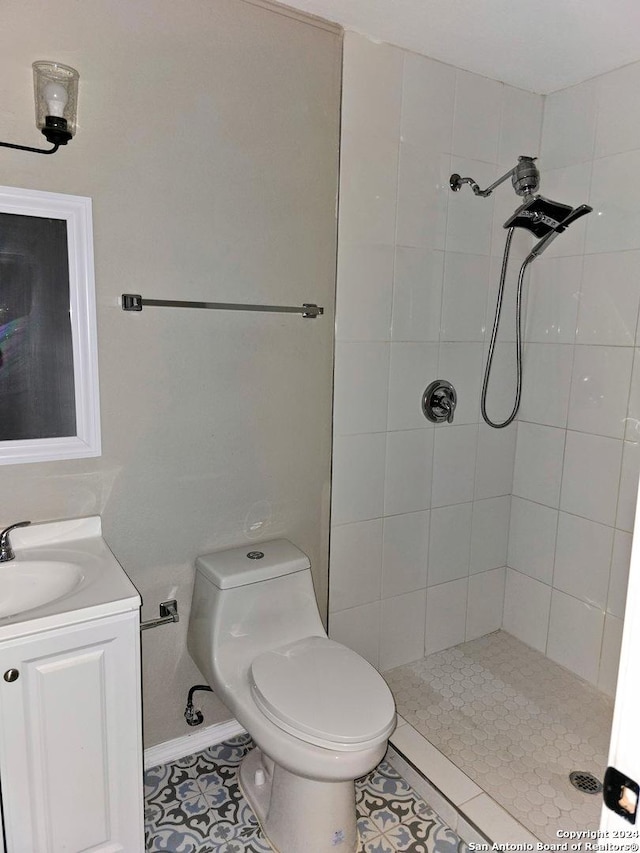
{"x": 76, "y": 211}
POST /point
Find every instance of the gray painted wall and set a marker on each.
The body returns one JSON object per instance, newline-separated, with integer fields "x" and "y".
{"x": 208, "y": 141}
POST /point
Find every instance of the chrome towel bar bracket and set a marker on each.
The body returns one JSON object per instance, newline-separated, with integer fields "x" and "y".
{"x": 168, "y": 613}
{"x": 135, "y": 302}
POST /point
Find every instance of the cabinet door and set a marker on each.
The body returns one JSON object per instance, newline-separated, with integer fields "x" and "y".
{"x": 3, "y": 849}
{"x": 70, "y": 740}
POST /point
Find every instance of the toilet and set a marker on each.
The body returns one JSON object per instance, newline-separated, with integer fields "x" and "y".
{"x": 319, "y": 714}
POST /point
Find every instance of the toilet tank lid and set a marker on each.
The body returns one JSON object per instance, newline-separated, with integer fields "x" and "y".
{"x": 252, "y": 563}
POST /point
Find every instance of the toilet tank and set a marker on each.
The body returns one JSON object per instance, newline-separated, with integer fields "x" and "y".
{"x": 251, "y": 564}
{"x": 246, "y": 601}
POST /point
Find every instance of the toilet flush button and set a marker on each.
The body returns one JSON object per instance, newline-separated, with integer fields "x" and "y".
{"x": 259, "y": 777}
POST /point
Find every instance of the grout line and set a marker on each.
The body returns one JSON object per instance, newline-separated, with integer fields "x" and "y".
{"x": 458, "y": 807}
{"x": 429, "y": 782}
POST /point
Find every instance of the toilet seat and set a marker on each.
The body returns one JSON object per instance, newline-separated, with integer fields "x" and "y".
{"x": 323, "y": 693}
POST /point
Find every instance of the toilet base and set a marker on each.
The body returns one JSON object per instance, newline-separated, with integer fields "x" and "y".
{"x": 296, "y": 813}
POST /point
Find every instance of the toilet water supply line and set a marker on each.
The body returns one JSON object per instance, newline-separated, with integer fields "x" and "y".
{"x": 192, "y": 715}
{"x": 168, "y": 614}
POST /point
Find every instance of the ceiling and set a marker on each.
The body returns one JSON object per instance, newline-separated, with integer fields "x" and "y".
{"x": 541, "y": 46}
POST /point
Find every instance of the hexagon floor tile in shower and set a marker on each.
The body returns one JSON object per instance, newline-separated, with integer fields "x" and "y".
{"x": 194, "y": 805}
{"x": 516, "y": 723}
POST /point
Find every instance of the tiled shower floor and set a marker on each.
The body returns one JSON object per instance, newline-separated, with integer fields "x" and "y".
{"x": 194, "y": 805}
{"x": 515, "y": 723}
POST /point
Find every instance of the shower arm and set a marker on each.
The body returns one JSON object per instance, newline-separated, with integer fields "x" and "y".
{"x": 455, "y": 182}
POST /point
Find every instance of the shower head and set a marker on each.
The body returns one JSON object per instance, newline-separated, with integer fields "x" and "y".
{"x": 539, "y": 215}
{"x": 543, "y": 217}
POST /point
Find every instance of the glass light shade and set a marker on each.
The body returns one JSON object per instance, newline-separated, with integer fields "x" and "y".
{"x": 56, "y": 95}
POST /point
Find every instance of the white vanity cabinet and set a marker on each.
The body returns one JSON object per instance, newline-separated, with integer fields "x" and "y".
{"x": 70, "y": 738}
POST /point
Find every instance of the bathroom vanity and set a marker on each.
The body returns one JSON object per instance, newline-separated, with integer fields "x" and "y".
{"x": 70, "y": 704}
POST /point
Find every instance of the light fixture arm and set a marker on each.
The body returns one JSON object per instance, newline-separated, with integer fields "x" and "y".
{"x": 28, "y": 148}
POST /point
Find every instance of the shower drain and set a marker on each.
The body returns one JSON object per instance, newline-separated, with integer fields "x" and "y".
{"x": 585, "y": 782}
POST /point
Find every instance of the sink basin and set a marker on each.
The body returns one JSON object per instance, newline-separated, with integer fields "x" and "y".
{"x": 63, "y": 573}
{"x": 25, "y": 584}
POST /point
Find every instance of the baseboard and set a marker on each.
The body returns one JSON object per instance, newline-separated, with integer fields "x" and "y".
{"x": 171, "y": 750}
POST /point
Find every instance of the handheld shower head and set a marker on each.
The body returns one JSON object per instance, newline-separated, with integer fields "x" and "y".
{"x": 541, "y": 245}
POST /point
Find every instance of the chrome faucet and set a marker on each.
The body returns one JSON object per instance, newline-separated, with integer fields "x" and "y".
{"x": 6, "y": 551}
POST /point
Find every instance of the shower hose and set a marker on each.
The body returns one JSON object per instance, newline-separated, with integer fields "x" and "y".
{"x": 494, "y": 335}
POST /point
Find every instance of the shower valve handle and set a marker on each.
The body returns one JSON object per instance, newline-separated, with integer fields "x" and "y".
{"x": 439, "y": 402}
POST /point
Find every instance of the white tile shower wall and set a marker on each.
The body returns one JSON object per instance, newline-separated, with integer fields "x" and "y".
{"x": 420, "y": 513}
{"x": 416, "y": 266}
{"x": 566, "y": 595}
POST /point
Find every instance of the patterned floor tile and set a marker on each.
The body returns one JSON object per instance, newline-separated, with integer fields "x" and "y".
{"x": 391, "y": 817}
{"x": 194, "y": 805}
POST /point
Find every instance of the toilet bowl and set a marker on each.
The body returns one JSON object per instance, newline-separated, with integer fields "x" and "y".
{"x": 319, "y": 714}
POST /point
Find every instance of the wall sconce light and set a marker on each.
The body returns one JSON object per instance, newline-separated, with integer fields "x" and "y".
{"x": 56, "y": 94}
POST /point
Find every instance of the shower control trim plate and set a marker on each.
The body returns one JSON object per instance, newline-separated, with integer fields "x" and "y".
{"x": 439, "y": 402}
